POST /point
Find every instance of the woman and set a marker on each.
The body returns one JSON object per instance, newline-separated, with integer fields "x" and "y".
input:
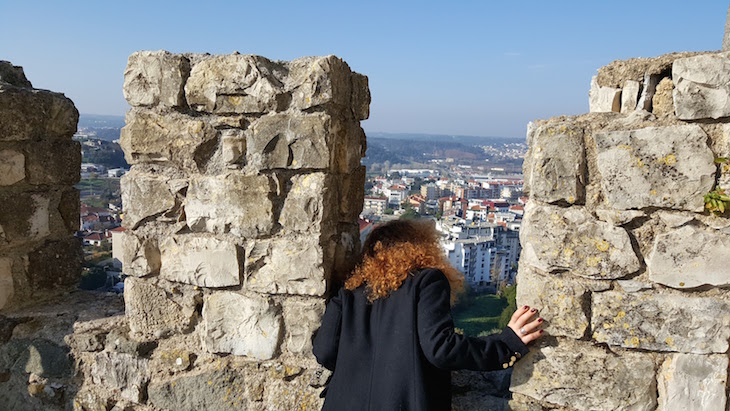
{"x": 388, "y": 334}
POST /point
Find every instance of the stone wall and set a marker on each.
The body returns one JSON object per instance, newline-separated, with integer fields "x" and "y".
{"x": 241, "y": 209}
{"x": 629, "y": 268}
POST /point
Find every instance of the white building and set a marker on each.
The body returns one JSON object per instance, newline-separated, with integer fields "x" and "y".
{"x": 375, "y": 205}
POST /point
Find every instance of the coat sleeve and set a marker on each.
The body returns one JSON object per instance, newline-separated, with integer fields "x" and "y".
{"x": 327, "y": 341}
{"x": 446, "y": 349}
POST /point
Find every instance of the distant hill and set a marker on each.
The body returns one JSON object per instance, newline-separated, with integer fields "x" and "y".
{"x": 100, "y": 121}
{"x": 468, "y": 140}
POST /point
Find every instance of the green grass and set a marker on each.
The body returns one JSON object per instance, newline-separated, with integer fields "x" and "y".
{"x": 477, "y": 314}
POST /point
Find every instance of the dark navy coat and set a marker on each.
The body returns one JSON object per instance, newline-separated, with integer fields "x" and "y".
{"x": 396, "y": 353}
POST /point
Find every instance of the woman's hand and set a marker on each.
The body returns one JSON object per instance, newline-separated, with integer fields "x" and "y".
{"x": 523, "y": 327}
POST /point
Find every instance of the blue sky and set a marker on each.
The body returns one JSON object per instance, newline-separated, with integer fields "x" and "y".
{"x": 461, "y": 67}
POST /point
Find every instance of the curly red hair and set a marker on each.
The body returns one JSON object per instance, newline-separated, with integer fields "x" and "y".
{"x": 397, "y": 249}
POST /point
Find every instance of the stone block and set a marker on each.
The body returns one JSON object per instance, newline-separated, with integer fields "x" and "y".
{"x": 282, "y": 393}
{"x": 241, "y": 325}
{"x": 6, "y": 282}
{"x": 145, "y": 196}
{"x": 618, "y": 217}
{"x": 630, "y": 95}
{"x": 69, "y": 209}
{"x": 647, "y": 93}
{"x": 603, "y": 99}
{"x": 661, "y": 322}
{"x": 360, "y": 97}
{"x": 139, "y": 256}
{"x": 199, "y": 260}
{"x": 662, "y": 102}
{"x": 311, "y": 204}
{"x": 56, "y": 162}
{"x": 669, "y": 167}
{"x": 291, "y": 141}
{"x": 690, "y": 257}
{"x": 346, "y": 250}
{"x": 173, "y": 137}
{"x": 291, "y": 265}
{"x": 154, "y": 312}
{"x": 701, "y": 86}
{"x": 230, "y": 203}
{"x": 122, "y": 373}
{"x": 217, "y": 390}
{"x": 350, "y": 143}
{"x": 580, "y": 376}
{"x": 40, "y": 357}
{"x": 236, "y": 83}
{"x": 556, "y": 239}
{"x": 156, "y": 78}
{"x": 36, "y": 114}
{"x": 352, "y": 194}
{"x": 12, "y": 167}
{"x": 302, "y": 318}
{"x": 318, "y": 81}
{"x": 24, "y": 216}
{"x": 233, "y": 146}
{"x": 555, "y": 166}
{"x": 55, "y": 264}
{"x": 13, "y": 75}
{"x": 561, "y": 300}
{"x": 693, "y": 382}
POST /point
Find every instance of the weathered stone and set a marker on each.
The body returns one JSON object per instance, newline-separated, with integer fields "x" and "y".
{"x": 726, "y": 38}
{"x": 647, "y": 93}
{"x": 577, "y": 375}
{"x": 55, "y": 264}
{"x": 173, "y": 137}
{"x": 69, "y": 208}
{"x": 618, "y": 217}
{"x": 144, "y": 196}
{"x": 350, "y": 144}
{"x": 122, "y": 373}
{"x": 36, "y": 114}
{"x": 674, "y": 219}
{"x": 155, "y": 77}
{"x": 241, "y": 325}
{"x": 668, "y": 167}
{"x": 293, "y": 393}
{"x": 555, "y": 239}
{"x": 41, "y": 357}
{"x": 555, "y": 165}
{"x": 663, "y": 102}
{"x": 690, "y": 257}
{"x": 346, "y": 250}
{"x": 118, "y": 340}
{"x": 290, "y": 141}
{"x": 317, "y": 81}
{"x": 292, "y": 265}
{"x": 310, "y": 203}
{"x": 232, "y": 203}
{"x": 24, "y": 216}
{"x": 53, "y": 162}
{"x": 151, "y": 312}
{"x": 13, "y": 75}
{"x": 352, "y": 194}
{"x": 302, "y": 319}
{"x": 630, "y": 95}
{"x": 201, "y": 261}
{"x": 12, "y": 167}
{"x": 233, "y": 145}
{"x": 693, "y": 382}
{"x": 178, "y": 360}
{"x": 661, "y": 322}
{"x": 6, "y": 282}
{"x": 85, "y": 342}
{"x": 603, "y": 99}
{"x": 217, "y": 390}
{"x": 360, "y": 97}
{"x": 139, "y": 257}
{"x": 701, "y": 87}
{"x": 236, "y": 84}
{"x": 562, "y": 302}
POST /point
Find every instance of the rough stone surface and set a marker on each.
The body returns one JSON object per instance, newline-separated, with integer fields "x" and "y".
{"x": 24, "y": 216}
{"x": 56, "y": 264}
{"x": 231, "y": 203}
{"x": 647, "y": 94}
{"x": 302, "y": 319}
{"x": 241, "y": 325}
{"x": 317, "y": 81}
{"x": 54, "y": 163}
{"x": 290, "y": 141}
{"x": 690, "y": 257}
{"x": 152, "y": 312}
{"x": 123, "y": 373}
{"x": 351, "y": 196}
{"x": 556, "y": 167}
{"x": 360, "y": 97}
{"x": 294, "y": 265}
{"x": 630, "y": 95}
{"x": 310, "y": 197}
{"x": 668, "y": 167}
{"x": 217, "y": 390}
{"x": 155, "y": 77}
{"x": 663, "y": 102}
{"x": 603, "y": 99}
{"x": 693, "y": 382}
{"x": 140, "y": 256}
{"x": 6, "y": 281}
{"x": 577, "y": 375}
{"x": 36, "y": 114}
{"x": 233, "y": 145}
{"x": 618, "y": 217}
{"x": 562, "y": 302}
{"x": 13, "y": 75}
{"x": 701, "y": 87}
{"x": 201, "y": 261}
{"x": 144, "y": 196}
{"x": 661, "y": 322}
{"x": 556, "y": 239}
{"x": 12, "y": 167}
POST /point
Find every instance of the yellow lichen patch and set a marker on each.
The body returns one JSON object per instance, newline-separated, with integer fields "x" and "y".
{"x": 669, "y": 160}
{"x": 669, "y": 341}
{"x": 635, "y": 341}
{"x": 624, "y": 147}
{"x": 571, "y": 199}
{"x": 235, "y": 100}
{"x": 621, "y": 314}
{"x": 607, "y": 326}
{"x": 568, "y": 252}
{"x": 555, "y": 217}
{"x": 681, "y": 284}
{"x": 639, "y": 163}
{"x": 652, "y": 192}
{"x": 602, "y": 245}
{"x": 626, "y": 326}
{"x": 593, "y": 261}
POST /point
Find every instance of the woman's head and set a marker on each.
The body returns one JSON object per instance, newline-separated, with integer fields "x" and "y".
{"x": 397, "y": 249}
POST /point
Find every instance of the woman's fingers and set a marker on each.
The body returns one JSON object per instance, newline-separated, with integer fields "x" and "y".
{"x": 518, "y": 313}
{"x": 522, "y": 326}
{"x": 531, "y": 336}
{"x": 523, "y": 316}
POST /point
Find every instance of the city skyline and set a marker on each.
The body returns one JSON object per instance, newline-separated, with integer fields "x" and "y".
{"x": 466, "y": 68}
